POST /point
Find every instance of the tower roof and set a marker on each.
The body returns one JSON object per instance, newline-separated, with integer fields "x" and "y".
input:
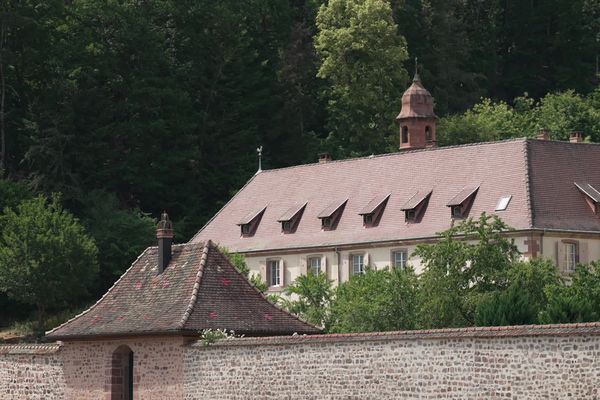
{"x": 417, "y": 102}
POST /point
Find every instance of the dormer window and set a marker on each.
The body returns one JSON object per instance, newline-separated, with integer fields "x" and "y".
{"x": 291, "y": 218}
{"x": 250, "y": 222}
{"x": 592, "y": 196}
{"x": 415, "y": 207}
{"x": 331, "y": 215}
{"x": 373, "y": 211}
{"x": 462, "y": 202}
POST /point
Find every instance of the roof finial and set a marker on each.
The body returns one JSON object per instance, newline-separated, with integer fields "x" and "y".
{"x": 259, "y": 152}
{"x": 416, "y": 77}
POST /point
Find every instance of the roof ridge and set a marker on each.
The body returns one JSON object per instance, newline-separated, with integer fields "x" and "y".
{"x": 196, "y": 288}
{"x": 101, "y": 298}
{"x": 225, "y": 205}
{"x": 396, "y": 153}
{"x": 530, "y": 215}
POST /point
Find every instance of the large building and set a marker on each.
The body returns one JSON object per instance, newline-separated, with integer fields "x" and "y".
{"x": 340, "y": 216}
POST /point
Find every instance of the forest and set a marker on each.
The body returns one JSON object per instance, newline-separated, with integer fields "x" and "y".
{"x": 112, "y": 111}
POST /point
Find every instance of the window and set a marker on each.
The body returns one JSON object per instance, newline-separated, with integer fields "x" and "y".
{"x": 368, "y": 219}
{"x": 405, "y": 134}
{"x": 326, "y": 222}
{"x": 358, "y": 264}
{"x": 399, "y": 258}
{"x": 457, "y": 212}
{"x": 428, "y": 136}
{"x": 314, "y": 265}
{"x": 245, "y": 229}
{"x": 503, "y": 203}
{"x": 572, "y": 256}
{"x": 410, "y": 215}
{"x": 274, "y": 272}
{"x": 286, "y": 226}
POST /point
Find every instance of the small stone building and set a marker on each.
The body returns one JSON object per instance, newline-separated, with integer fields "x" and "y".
{"x": 130, "y": 344}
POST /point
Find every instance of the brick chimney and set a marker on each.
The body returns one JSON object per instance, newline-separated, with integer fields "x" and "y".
{"x": 576, "y": 137}
{"x": 324, "y": 158}
{"x": 164, "y": 234}
{"x": 543, "y": 134}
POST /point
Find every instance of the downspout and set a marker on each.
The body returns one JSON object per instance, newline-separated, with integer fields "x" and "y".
{"x": 339, "y": 263}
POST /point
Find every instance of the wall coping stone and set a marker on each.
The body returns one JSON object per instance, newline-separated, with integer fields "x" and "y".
{"x": 30, "y": 348}
{"x": 577, "y": 329}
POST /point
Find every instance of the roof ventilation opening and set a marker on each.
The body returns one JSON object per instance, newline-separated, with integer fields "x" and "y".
{"x": 331, "y": 215}
{"x": 325, "y": 158}
{"x": 250, "y": 222}
{"x": 373, "y": 210}
{"x": 291, "y": 218}
{"x": 462, "y": 202}
{"x": 591, "y": 195}
{"x": 415, "y": 207}
{"x": 164, "y": 234}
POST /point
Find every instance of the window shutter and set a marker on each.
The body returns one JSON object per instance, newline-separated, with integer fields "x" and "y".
{"x": 263, "y": 272}
{"x": 560, "y": 256}
{"x": 349, "y": 266}
{"x": 324, "y": 265}
{"x": 281, "y": 273}
{"x": 366, "y": 260}
{"x": 303, "y": 266}
{"x": 583, "y": 253}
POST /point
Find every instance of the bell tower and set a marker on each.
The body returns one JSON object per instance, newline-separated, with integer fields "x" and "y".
{"x": 417, "y": 119}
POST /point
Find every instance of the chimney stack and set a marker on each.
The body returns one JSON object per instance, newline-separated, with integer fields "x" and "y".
{"x": 325, "y": 158}
{"x": 543, "y": 134}
{"x": 164, "y": 234}
{"x": 576, "y": 137}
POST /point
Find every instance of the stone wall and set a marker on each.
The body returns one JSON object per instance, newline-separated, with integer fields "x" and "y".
{"x": 33, "y": 372}
{"x": 552, "y": 362}
{"x": 531, "y": 362}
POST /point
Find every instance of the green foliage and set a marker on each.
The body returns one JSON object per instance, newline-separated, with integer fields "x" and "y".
{"x": 380, "y": 300}
{"x": 577, "y": 300}
{"x": 12, "y": 193}
{"x": 239, "y": 262}
{"x": 361, "y": 55}
{"x": 525, "y": 297}
{"x": 309, "y": 297}
{"x": 470, "y": 261}
{"x": 561, "y": 113}
{"x": 210, "y": 336}
{"x": 120, "y": 234}
{"x": 46, "y": 257}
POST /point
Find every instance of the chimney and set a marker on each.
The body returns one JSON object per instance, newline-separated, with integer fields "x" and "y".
{"x": 325, "y": 158}
{"x": 543, "y": 134}
{"x": 164, "y": 234}
{"x": 576, "y": 137}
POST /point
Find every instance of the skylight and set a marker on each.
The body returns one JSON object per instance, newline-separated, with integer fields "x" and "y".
{"x": 503, "y": 202}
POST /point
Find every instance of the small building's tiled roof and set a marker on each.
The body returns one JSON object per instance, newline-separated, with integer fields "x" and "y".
{"x": 199, "y": 289}
{"x": 539, "y": 175}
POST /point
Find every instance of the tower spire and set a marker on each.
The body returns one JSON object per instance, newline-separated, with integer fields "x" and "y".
{"x": 416, "y": 78}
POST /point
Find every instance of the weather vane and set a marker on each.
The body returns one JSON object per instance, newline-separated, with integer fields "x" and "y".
{"x": 259, "y": 152}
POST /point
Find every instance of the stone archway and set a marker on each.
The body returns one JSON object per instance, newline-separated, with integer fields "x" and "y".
{"x": 121, "y": 376}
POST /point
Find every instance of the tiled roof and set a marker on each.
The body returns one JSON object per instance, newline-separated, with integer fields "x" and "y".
{"x": 555, "y": 200}
{"x": 539, "y": 175}
{"x": 199, "y": 289}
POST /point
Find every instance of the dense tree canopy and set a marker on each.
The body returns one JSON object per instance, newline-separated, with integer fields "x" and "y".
{"x": 46, "y": 258}
{"x": 129, "y": 108}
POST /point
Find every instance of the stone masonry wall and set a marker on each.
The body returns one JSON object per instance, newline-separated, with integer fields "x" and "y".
{"x": 475, "y": 363}
{"x": 531, "y": 362}
{"x": 31, "y": 372}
